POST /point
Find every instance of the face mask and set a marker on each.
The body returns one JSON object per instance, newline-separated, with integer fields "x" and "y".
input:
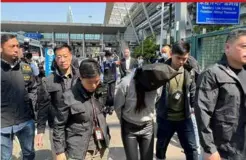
{"x": 163, "y": 55}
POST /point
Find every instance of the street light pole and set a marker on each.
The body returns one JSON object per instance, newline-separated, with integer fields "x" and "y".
{"x": 161, "y": 37}
{"x": 142, "y": 39}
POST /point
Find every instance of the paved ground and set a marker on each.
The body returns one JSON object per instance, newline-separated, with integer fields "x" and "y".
{"x": 116, "y": 147}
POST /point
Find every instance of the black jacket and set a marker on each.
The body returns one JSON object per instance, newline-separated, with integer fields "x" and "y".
{"x": 73, "y": 125}
{"x": 189, "y": 89}
{"x": 109, "y": 72}
{"x": 18, "y": 93}
{"x": 220, "y": 111}
{"x": 50, "y": 97}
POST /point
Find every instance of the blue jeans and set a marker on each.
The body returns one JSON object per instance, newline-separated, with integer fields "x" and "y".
{"x": 186, "y": 135}
{"x": 26, "y": 139}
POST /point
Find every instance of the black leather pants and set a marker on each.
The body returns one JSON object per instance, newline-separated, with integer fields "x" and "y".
{"x": 134, "y": 136}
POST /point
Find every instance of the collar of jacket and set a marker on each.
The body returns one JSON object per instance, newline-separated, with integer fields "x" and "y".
{"x": 82, "y": 91}
{"x": 7, "y": 65}
{"x": 225, "y": 63}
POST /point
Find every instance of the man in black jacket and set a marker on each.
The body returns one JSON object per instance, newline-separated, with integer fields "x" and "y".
{"x": 50, "y": 92}
{"x": 221, "y": 105}
{"x": 80, "y": 128}
{"x": 18, "y": 91}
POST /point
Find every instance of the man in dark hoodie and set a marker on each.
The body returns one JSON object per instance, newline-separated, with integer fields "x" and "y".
{"x": 52, "y": 88}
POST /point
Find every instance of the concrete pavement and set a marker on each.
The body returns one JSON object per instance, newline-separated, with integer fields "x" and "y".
{"x": 116, "y": 146}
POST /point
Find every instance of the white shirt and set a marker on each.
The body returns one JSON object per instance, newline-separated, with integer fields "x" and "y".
{"x": 128, "y": 63}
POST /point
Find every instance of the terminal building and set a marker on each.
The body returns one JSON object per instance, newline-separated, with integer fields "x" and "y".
{"x": 84, "y": 38}
{"x": 144, "y": 19}
{"x": 125, "y": 25}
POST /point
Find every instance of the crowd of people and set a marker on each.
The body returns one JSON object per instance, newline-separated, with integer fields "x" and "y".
{"x": 206, "y": 108}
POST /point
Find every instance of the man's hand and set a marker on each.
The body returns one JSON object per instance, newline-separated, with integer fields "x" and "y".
{"x": 214, "y": 156}
{"x": 117, "y": 62}
{"x": 39, "y": 140}
{"x": 61, "y": 156}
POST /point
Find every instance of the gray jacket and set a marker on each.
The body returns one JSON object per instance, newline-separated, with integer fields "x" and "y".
{"x": 50, "y": 96}
{"x": 126, "y": 98}
{"x": 220, "y": 111}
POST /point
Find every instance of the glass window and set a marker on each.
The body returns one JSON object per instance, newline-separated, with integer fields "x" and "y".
{"x": 92, "y": 36}
{"x": 47, "y": 35}
{"x": 61, "y": 36}
{"x": 76, "y": 36}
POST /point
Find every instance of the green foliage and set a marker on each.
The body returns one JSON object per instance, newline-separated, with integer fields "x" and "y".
{"x": 210, "y": 28}
{"x": 149, "y": 48}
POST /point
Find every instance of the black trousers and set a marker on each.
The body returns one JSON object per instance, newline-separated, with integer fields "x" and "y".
{"x": 134, "y": 136}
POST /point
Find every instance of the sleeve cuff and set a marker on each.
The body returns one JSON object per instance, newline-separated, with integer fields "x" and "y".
{"x": 59, "y": 151}
{"x": 210, "y": 150}
{"x": 41, "y": 130}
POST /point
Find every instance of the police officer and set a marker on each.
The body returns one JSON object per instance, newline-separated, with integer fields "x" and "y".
{"x": 18, "y": 96}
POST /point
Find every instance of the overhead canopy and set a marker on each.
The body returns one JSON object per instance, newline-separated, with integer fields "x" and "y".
{"x": 116, "y": 12}
{"x": 58, "y": 27}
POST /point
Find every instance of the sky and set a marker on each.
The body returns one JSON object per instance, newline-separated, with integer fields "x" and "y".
{"x": 53, "y": 12}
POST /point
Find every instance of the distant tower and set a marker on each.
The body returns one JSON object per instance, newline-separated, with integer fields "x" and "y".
{"x": 69, "y": 15}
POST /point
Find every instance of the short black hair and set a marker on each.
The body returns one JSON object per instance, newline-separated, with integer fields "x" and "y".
{"x": 89, "y": 68}
{"x": 181, "y": 48}
{"x": 6, "y": 37}
{"x": 235, "y": 34}
{"x": 60, "y": 46}
{"x": 108, "y": 53}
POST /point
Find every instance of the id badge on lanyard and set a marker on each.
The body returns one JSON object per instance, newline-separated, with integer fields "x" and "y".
{"x": 97, "y": 130}
{"x": 98, "y": 133}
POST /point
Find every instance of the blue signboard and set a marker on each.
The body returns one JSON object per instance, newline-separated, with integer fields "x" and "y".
{"x": 36, "y": 36}
{"x": 217, "y": 13}
{"x": 49, "y": 57}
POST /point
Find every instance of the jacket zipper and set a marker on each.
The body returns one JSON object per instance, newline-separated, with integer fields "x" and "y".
{"x": 87, "y": 145}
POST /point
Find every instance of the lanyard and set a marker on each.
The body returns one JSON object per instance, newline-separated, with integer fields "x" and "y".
{"x": 177, "y": 81}
{"x": 94, "y": 113}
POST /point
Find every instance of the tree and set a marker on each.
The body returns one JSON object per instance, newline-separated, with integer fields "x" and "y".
{"x": 148, "y": 46}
